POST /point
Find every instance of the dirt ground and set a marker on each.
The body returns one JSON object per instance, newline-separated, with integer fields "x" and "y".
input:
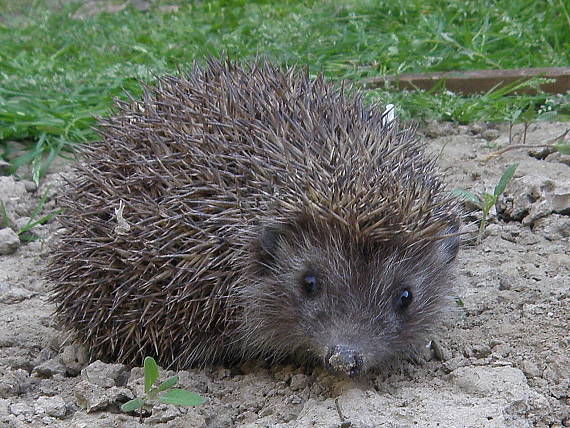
{"x": 501, "y": 360}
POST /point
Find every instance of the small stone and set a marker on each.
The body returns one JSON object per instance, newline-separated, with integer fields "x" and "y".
{"x": 266, "y": 411}
{"x": 439, "y": 352}
{"x": 21, "y": 409}
{"x": 218, "y": 374}
{"x": 141, "y": 5}
{"x": 11, "y": 189}
{"x": 490, "y": 134}
{"x": 504, "y": 284}
{"x": 10, "y": 294}
{"x": 44, "y": 355}
{"x": 503, "y": 350}
{"x": 48, "y": 420}
{"x": 530, "y": 369}
{"x": 74, "y": 358}
{"x": 4, "y": 407}
{"x": 105, "y": 375}
{"x": 561, "y": 203}
{"x": 89, "y": 396}
{"x": 435, "y": 129}
{"x": 452, "y": 364}
{"x": 491, "y": 381}
{"x": 13, "y": 382}
{"x": 553, "y": 227}
{"x": 559, "y": 262}
{"x": 49, "y": 368}
{"x": 9, "y": 241}
{"x": 4, "y": 167}
{"x": 163, "y": 414}
{"x": 481, "y": 351}
{"x": 298, "y": 382}
{"x": 30, "y": 186}
{"x": 477, "y": 128}
{"x": 541, "y": 152}
{"x": 22, "y": 222}
{"x": 51, "y": 406}
{"x": 92, "y": 397}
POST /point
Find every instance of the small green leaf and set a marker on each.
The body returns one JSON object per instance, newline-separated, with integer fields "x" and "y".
{"x": 505, "y": 178}
{"x": 168, "y": 383}
{"x": 563, "y": 148}
{"x": 150, "y": 373}
{"x": 468, "y": 196}
{"x": 131, "y": 405}
{"x": 181, "y": 397}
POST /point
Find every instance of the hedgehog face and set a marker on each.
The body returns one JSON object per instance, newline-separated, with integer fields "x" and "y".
{"x": 351, "y": 307}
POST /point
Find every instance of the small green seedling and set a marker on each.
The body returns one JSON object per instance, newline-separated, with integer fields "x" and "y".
{"x": 179, "y": 397}
{"x": 24, "y": 232}
{"x": 486, "y": 201}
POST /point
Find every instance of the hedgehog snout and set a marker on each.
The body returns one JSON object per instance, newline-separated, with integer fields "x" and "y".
{"x": 344, "y": 359}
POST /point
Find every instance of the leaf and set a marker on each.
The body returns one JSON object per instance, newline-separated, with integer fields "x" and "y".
{"x": 505, "y": 178}
{"x": 181, "y": 397}
{"x": 150, "y": 373}
{"x": 131, "y": 405}
{"x": 168, "y": 383}
{"x": 468, "y": 196}
{"x": 563, "y": 148}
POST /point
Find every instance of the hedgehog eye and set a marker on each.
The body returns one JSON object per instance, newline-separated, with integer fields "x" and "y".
{"x": 405, "y": 299}
{"x": 310, "y": 284}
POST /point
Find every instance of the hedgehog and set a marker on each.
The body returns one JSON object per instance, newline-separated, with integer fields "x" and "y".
{"x": 249, "y": 211}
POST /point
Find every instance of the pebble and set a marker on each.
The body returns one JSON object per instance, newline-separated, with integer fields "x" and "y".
{"x": 9, "y": 241}
{"x": 21, "y": 409}
{"x": 30, "y": 186}
{"x": 105, "y": 375}
{"x": 439, "y": 352}
{"x": 10, "y": 294}
{"x": 530, "y": 369}
{"x": 51, "y": 406}
{"x": 477, "y": 128}
{"x": 4, "y": 407}
{"x": 490, "y": 134}
{"x": 49, "y": 368}
{"x": 554, "y": 227}
{"x": 74, "y": 358}
{"x": 163, "y": 414}
{"x": 298, "y": 382}
{"x": 453, "y": 364}
{"x": 92, "y": 397}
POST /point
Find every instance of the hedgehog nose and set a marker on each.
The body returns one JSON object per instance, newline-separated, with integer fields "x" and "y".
{"x": 344, "y": 359}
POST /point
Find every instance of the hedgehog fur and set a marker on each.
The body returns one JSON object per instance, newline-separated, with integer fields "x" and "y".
{"x": 249, "y": 211}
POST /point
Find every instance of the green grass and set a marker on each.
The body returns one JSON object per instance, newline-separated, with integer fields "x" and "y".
{"x": 56, "y": 72}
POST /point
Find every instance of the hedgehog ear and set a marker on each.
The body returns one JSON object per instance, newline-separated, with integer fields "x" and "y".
{"x": 267, "y": 245}
{"x": 449, "y": 247}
